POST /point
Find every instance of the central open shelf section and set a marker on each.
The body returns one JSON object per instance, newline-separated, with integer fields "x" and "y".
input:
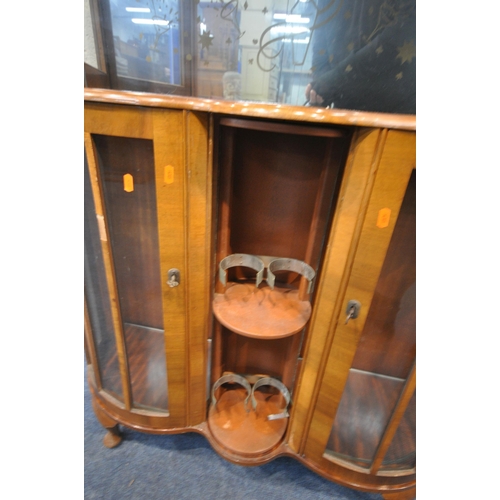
{"x": 277, "y": 187}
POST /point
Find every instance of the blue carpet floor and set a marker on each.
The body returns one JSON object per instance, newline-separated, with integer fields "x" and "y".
{"x": 184, "y": 466}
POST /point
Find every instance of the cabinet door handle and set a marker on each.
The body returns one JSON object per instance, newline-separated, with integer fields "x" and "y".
{"x": 352, "y": 310}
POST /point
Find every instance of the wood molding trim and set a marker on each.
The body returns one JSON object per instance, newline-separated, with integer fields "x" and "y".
{"x": 254, "y": 109}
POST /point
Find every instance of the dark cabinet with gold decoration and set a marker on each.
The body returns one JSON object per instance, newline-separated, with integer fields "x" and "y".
{"x": 250, "y": 276}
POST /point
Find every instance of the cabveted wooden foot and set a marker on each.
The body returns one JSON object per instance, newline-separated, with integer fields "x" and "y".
{"x": 113, "y": 437}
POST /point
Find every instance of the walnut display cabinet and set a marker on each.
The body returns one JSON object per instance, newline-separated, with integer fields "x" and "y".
{"x": 250, "y": 276}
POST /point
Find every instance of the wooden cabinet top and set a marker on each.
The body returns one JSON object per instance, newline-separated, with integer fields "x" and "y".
{"x": 254, "y": 109}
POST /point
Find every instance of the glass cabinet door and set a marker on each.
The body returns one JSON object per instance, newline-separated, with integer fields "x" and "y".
{"x": 138, "y": 223}
{"x": 364, "y": 419}
{"x": 126, "y": 171}
{"x": 383, "y": 366}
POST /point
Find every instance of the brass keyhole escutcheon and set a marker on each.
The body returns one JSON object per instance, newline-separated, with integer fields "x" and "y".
{"x": 352, "y": 310}
{"x": 174, "y": 277}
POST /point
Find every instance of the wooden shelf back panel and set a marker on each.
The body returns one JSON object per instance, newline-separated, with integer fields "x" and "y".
{"x": 276, "y": 179}
{"x": 251, "y": 356}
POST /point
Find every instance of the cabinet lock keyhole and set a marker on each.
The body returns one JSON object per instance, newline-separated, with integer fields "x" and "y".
{"x": 174, "y": 277}
{"x": 352, "y": 310}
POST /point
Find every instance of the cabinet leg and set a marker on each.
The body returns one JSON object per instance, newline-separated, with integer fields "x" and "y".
{"x": 114, "y": 436}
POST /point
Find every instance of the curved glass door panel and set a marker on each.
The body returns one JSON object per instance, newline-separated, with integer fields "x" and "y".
{"x": 128, "y": 181}
{"x": 97, "y": 299}
{"x": 385, "y": 355}
{"x": 402, "y": 451}
{"x": 363, "y": 414}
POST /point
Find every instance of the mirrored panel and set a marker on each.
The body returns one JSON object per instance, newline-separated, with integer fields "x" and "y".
{"x": 333, "y": 53}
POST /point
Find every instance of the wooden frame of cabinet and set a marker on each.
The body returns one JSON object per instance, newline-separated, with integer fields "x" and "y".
{"x": 185, "y": 134}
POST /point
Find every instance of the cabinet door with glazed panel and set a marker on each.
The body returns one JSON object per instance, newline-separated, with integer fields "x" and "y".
{"x": 362, "y": 427}
{"x": 139, "y": 222}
